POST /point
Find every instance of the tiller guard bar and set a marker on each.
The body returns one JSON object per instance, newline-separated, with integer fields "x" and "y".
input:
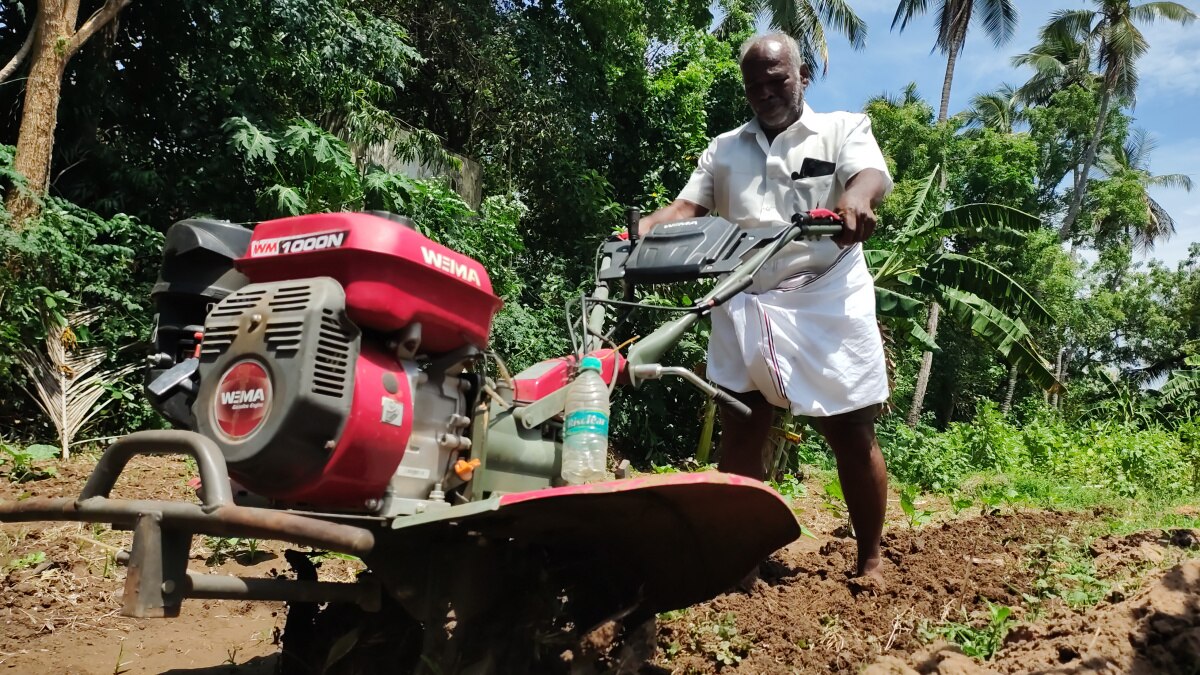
{"x": 158, "y": 579}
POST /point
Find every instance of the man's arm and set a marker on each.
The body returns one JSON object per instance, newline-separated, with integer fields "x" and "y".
{"x": 680, "y": 209}
{"x": 865, "y": 190}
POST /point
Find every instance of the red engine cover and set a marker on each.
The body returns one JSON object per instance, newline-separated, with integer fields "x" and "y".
{"x": 373, "y": 440}
{"x": 392, "y": 274}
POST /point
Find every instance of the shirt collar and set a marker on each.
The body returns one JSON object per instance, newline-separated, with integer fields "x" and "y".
{"x": 808, "y": 120}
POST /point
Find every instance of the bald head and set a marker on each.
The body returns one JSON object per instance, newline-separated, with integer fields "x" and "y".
{"x": 777, "y": 43}
{"x": 775, "y": 77}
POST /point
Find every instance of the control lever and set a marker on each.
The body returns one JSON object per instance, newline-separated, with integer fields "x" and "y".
{"x": 178, "y": 375}
{"x": 655, "y": 371}
{"x": 632, "y": 215}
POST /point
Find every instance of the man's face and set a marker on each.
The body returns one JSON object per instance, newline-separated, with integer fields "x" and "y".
{"x": 774, "y": 86}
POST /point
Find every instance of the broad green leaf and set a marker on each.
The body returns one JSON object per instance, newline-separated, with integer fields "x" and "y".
{"x": 285, "y": 200}
{"x": 1008, "y": 337}
{"x": 975, "y": 276}
{"x": 895, "y": 304}
{"x": 921, "y": 337}
{"x": 41, "y": 452}
{"x": 981, "y": 217}
{"x": 253, "y": 143}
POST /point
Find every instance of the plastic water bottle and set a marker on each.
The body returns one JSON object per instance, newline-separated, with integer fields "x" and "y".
{"x": 585, "y": 429}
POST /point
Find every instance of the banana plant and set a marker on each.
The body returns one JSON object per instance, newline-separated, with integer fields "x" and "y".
{"x": 1181, "y": 391}
{"x": 916, "y": 271}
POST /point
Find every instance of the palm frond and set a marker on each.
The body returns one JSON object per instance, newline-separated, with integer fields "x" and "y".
{"x": 1068, "y": 25}
{"x": 907, "y": 10}
{"x": 1138, "y": 147}
{"x": 64, "y": 380}
{"x": 1180, "y": 181}
{"x": 1149, "y": 12}
{"x": 999, "y": 19}
{"x": 808, "y": 21}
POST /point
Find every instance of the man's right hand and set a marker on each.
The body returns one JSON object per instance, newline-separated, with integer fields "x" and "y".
{"x": 680, "y": 209}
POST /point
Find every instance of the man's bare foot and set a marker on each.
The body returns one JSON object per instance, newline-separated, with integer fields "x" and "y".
{"x": 869, "y": 580}
{"x": 872, "y": 567}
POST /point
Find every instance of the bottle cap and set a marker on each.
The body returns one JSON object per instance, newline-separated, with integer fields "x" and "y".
{"x": 591, "y": 363}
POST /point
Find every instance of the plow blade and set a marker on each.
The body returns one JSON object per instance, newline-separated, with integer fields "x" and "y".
{"x": 657, "y": 542}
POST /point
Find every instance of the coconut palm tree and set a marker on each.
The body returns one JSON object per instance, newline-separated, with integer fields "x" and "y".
{"x": 1132, "y": 160}
{"x": 999, "y": 110}
{"x": 808, "y": 21}
{"x": 999, "y": 18}
{"x": 1111, "y": 31}
{"x": 1058, "y": 61}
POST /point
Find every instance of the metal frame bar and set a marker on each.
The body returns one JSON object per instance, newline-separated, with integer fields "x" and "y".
{"x": 158, "y": 580}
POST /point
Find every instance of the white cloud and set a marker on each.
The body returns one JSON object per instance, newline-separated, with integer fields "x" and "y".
{"x": 1169, "y": 69}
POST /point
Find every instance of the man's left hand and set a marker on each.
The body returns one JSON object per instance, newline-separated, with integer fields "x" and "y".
{"x": 858, "y": 218}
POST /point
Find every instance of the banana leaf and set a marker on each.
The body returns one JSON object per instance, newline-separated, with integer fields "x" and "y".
{"x": 975, "y": 276}
{"x": 1009, "y": 337}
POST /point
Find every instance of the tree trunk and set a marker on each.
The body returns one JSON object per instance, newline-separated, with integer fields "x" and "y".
{"x": 951, "y": 59}
{"x": 55, "y": 42}
{"x": 1058, "y": 374}
{"x": 39, "y": 117}
{"x": 918, "y": 402}
{"x": 1089, "y": 157}
{"x": 1006, "y": 406}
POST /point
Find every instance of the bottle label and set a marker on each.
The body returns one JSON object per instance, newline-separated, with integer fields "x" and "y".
{"x": 586, "y": 422}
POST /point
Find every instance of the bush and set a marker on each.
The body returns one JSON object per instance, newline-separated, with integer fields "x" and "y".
{"x": 66, "y": 258}
{"x": 1114, "y": 457}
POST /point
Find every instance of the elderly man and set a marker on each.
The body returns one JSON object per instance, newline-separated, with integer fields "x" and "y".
{"x": 804, "y": 336}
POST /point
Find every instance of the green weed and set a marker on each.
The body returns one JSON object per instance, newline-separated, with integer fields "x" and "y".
{"x": 1065, "y": 570}
{"x": 978, "y": 642}
{"x": 722, "y": 640}
{"x": 916, "y": 517}
{"x": 244, "y": 550}
{"x": 789, "y": 486}
{"x": 21, "y": 465}
{"x": 27, "y": 561}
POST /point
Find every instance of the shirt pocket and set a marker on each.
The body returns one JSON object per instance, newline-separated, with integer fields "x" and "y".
{"x": 812, "y": 193}
{"x": 739, "y": 197}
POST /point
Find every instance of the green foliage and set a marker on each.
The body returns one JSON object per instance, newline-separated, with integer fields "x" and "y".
{"x": 789, "y": 486}
{"x": 1116, "y": 458}
{"x": 981, "y": 641}
{"x": 721, "y": 640}
{"x": 27, "y": 561}
{"x": 994, "y": 306}
{"x": 28, "y": 463}
{"x": 908, "y": 504}
{"x": 1065, "y": 570}
{"x": 64, "y": 258}
{"x": 221, "y": 549}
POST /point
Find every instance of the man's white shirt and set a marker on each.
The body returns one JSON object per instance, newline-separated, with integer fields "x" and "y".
{"x": 747, "y": 179}
{"x": 805, "y": 333}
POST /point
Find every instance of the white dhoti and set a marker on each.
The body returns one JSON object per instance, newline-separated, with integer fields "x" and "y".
{"x": 810, "y": 344}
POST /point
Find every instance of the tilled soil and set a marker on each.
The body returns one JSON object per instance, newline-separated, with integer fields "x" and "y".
{"x": 1155, "y": 632}
{"x": 58, "y": 610}
{"x": 806, "y": 615}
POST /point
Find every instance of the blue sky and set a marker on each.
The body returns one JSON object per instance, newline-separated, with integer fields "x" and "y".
{"x": 1168, "y": 99}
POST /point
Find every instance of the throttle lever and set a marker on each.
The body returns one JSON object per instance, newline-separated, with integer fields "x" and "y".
{"x": 655, "y": 371}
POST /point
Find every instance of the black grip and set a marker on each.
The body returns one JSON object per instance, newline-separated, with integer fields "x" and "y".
{"x": 726, "y": 399}
{"x": 632, "y": 216}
